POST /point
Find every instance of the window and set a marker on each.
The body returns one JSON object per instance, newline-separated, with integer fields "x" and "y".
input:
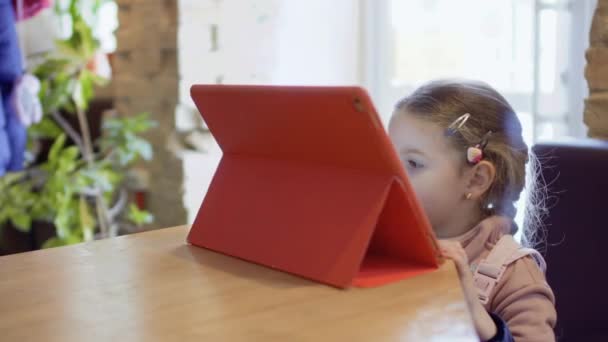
{"x": 531, "y": 51}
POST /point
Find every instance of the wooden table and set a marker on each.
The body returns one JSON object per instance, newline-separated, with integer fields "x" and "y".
{"x": 153, "y": 286}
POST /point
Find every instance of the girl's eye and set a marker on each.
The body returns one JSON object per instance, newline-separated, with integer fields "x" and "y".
{"x": 413, "y": 164}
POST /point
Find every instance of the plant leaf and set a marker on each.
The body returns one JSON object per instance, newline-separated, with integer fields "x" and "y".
{"x": 54, "y": 242}
{"x": 46, "y": 128}
{"x": 138, "y": 216}
{"x": 87, "y": 222}
{"x": 22, "y": 221}
{"x": 56, "y": 148}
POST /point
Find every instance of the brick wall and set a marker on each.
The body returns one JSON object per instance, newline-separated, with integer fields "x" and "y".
{"x": 596, "y": 72}
{"x": 145, "y": 79}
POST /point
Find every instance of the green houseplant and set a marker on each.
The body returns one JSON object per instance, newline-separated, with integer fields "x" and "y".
{"x": 80, "y": 184}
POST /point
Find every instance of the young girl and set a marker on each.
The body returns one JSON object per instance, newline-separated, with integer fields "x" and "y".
{"x": 462, "y": 146}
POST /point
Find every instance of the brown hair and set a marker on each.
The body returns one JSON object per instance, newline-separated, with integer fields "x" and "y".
{"x": 443, "y": 101}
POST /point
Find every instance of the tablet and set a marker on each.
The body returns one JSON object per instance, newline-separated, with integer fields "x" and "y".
{"x": 309, "y": 183}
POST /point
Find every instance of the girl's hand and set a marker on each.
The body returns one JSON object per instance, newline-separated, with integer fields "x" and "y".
{"x": 484, "y": 325}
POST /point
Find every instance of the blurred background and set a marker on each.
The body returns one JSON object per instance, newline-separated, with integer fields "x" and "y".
{"x": 119, "y": 147}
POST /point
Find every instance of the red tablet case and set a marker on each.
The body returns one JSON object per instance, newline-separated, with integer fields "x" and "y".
{"x": 310, "y": 184}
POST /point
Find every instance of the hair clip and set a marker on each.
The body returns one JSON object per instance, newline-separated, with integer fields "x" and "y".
{"x": 475, "y": 153}
{"x": 457, "y": 124}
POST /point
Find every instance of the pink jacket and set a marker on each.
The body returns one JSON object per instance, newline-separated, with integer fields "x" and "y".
{"x": 522, "y": 297}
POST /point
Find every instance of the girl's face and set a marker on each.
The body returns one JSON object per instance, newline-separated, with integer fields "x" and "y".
{"x": 435, "y": 170}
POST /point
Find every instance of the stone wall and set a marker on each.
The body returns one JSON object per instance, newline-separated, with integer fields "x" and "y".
{"x": 596, "y": 72}
{"x": 145, "y": 79}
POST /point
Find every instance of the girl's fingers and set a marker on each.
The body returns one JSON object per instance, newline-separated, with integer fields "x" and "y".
{"x": 454, "y": 251}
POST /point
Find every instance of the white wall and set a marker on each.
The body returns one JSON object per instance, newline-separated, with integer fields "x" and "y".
{"x": 312, "y": 42}
{"x": 317, "y": 42}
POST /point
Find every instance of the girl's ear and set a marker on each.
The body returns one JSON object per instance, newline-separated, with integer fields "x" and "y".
{"x": 481, "y": 178}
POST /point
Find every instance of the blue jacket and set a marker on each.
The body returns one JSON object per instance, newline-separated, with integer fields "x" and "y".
{"x": 503, "y": 334}
{"x": 13, "y": 135}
